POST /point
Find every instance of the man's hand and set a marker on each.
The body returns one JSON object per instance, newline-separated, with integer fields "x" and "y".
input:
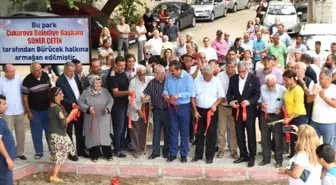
{"x": 106, "y": 111}
{"x": 30, "y": 115}
{"x": 166, "y": 98}
{"x": 92, "y": 112}
{"x": 263, "y": 106}
{"x": 197, "y": 115}
{"x": 234, "y": 104}
{"x": 145, "y": 99}
{"x": 140, "y": 113}
{"x": 277, "y": 111}
{"x": 10, "y": 163}
{"x": 321, "y": 93}
{"x": 214, "y": 108}
{"x": 245, "y": 103}
{"x": 316, "y": 90}
{"x": 287, "y": 120}
{"x": 174, "y": 97}
{"x": 130, "y": 93}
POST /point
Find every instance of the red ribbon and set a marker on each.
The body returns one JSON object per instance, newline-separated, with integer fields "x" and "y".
{"x": 75, "y": 116}
{"x": 196, "y": 126}
{"x": 244, "y": 113}
{"x": 91, "y": 124}
{"x": 132, "y": 99}
{"x": 115, "y": 181}
{"x": 209, "y": 115}
{"x": 174, "y": 104}
{"x": 287, "y": 135}
{"x": 143, "y": 109}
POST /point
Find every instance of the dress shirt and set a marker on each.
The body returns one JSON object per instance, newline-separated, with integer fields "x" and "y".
{"x": 123, "y": 30}
{"x": 285, "y": 39}
{"x": 155, "y": 45}
{"x": 183, "y": 86}
{"x": 73, "y": 85}
{"x": 273, "y": 99}
{"x": 275, "y": 71}
{"x": 12, "y": 90}
{"x": 207, "y": 93}
{"x": 258, "y": 45}
{"x": 229, "y": 43}
{"x": 154, "y": 89}
{"x": 242, "y": 84}
{"x": 221, "y": 48}
{"x": 225, "y": 80}
{"x": 137, "y": 86}
{"x": 248, "y": 46}
{"x": 210, "y": 53}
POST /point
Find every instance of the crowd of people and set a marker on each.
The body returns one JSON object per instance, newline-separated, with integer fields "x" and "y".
{"x": 208, "y": 95}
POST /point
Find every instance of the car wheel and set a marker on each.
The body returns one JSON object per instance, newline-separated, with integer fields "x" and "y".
{"x": 234, "y": 8}
{"x": 193, "y": 23}
{"x": 212, "y": 17}
{"x": 248, "y": 6}
{"x": 178, "y": 24}
{"x": 225, "y": 12}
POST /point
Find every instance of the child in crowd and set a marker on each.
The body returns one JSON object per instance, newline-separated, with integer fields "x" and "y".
{"x": 326, "y": 157}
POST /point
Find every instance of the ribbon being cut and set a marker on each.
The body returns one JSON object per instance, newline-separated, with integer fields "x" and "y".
{"x": 75, "y": 116}
{"x": 174, "y": 104}
{"x": 244, "y": 113}
{"x": 210, "y": 113}
{"x": 132, "y": 99}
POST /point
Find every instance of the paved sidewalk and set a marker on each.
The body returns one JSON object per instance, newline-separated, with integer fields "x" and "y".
{"x": 221, "y": 169}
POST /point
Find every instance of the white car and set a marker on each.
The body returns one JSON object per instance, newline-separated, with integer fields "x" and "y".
{"x": 209, "y": 9}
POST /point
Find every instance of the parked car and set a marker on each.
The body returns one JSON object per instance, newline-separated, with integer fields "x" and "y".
{"x": 182, "y": 13}
{"x": 98, "y": 20}
{"x": 302, "y": 7}
{"x": 325, "y": 33}
{"x": 235, "y": 5}
{"x": 287, "y": 14}
{"x": 209, "y": 9}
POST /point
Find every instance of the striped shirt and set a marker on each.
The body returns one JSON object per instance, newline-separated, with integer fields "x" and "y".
{"x": 37, "y": 91}
{"x": 154, "y": 89}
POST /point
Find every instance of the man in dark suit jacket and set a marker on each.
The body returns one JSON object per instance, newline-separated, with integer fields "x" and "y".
{"x": 244, "y": 91}
{"x": 72, "y": 89}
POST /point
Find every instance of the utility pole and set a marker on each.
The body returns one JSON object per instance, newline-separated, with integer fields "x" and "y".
{"x": 310, "y": 11}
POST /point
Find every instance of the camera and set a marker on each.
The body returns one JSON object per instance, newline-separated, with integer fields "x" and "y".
{"x": 286, "y": 129}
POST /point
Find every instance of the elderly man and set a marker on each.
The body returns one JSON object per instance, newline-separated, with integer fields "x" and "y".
{"x": 243, "y": 95}
{"x": 190, "y": 40}
{"x": 177, "y": 92}
{"x": 324, "y": 110}
{"x": 10, "y": 86}
{"x": 190, "y": 49}
{"x": 225, "y": 118}
{"x": 160, "y": 111}
{"x": 227, "y": 39}
{"x": 95, "y": 69}
{"x": 247, "y": 43}
{"x": 268, "y": 63}
{"x": 35, "y": 91}
{"x": 207, "y": 95}
{"x": 278, "y": 49}
{"x": 271, "y": 102}
{"x": 72, "y": 89}
{"x": 123, "y": 35}
{"x": 221, "y": 47}
{"x": 181, "y": 46}
{"x": 210, "y": 52}
{"x": 138, "y": 111}
{"x": 166, "y": 44}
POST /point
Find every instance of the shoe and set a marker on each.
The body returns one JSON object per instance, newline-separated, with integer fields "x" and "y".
{"x": 85, "y": 155}
{"x": 195, "y": 159}
{"x": 241, "y": 159}
{"x": 235, "y": 156}
{"x": 260, "y": 153}
{"x": 55, "y": 179}
{"x": 171, "y": 159}
{"x": 135, "y": 155}
{"x": 183, "y": 159}
{"x": 217, "y": 149}
{"x": 250, "y": 162}
{"x": 263, "y": 163}
{"x": 194, "y": 143}
{"x": 290, "y": 156}
{"x": 192, "y": 140}
{"x": 73, "y": 157}
{"x": 209, "y": 161}
{"x": 153, "y": 156}
{"x": 120, "y": 155}
{"x": 220, "y": 154}
{"x": 278, "y": 164}
{"x": 22, "y": 157}
{"x": 38, "y": 156}
{"x": 165, "y": 156}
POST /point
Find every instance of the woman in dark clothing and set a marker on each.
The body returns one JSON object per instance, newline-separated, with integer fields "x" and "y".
{"x": 149, "y": 19}
{"x": 237, "y": 47}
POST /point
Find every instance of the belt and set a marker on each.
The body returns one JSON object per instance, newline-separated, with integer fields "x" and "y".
{"x": 227, "y": 106}
{"x": 122, "y": 38}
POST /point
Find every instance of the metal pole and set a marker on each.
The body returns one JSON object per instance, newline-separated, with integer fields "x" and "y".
{"x": 310, "y": 11}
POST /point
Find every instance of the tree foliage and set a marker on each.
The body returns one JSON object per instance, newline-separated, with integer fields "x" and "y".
{"x": 129, "y": 10}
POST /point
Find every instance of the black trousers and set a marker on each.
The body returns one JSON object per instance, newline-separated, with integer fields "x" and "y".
{"x": 249, "y": 125}
{"x": 100, "y": 151}
{"x": 300, "y": 120}
{"x": 210, "y": 138}
{"x": 80, "y": 140}
{"x": 266, "y": 140}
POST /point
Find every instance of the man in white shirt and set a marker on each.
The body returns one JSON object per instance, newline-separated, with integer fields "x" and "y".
{"x": 324, "y": 110}
{"x": 154, "y": 44}
{"x": 10, "y": 86}
{"x": 208, "y": 94}
{"x": 225, "y": 118}
{"x": 208, "y": 50}
{"x": 181, "y": 47}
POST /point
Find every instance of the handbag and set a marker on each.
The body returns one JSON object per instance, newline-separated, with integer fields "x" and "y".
{"x": 305, "y": 174}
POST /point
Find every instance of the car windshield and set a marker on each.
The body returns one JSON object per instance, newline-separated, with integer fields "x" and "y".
{"x": 281, "y": 10}
{"x": 202, "y": 2}
{"x": 170, "y": 8}
{"x": 326, "y": 40}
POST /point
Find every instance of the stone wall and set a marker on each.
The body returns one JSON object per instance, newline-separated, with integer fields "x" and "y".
{"x": 324, "y": 11}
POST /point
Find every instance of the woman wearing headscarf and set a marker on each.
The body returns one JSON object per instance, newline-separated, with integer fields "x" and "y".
{"x": 97, "y": 103}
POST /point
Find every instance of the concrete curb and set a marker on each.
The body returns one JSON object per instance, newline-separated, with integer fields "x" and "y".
{"x": 167, "y": 172}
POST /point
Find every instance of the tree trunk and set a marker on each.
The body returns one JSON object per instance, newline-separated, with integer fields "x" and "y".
{"x": 110, "y": 6}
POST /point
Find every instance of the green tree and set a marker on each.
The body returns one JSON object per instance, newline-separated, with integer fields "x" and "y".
{"x": 129, "y": 10}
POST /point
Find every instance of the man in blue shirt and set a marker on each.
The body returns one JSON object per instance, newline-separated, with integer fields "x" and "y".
{"x": 178, "y": 89}
{"x": 259, "y": 46}
{"x": 7, "y": 148}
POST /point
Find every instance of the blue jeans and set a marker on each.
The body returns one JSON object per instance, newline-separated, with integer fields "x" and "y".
{"x": 161, "y": 120}
{"x": 119, "y": 114}
{"x": 6, "y": 175}
{"x": 179, "y": 123}
{"x": 325, "y": 130}
{"x": 39, "y": 123}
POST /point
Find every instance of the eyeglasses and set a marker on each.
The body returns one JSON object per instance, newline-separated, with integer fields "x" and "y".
{"x": 148, "y": 53}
